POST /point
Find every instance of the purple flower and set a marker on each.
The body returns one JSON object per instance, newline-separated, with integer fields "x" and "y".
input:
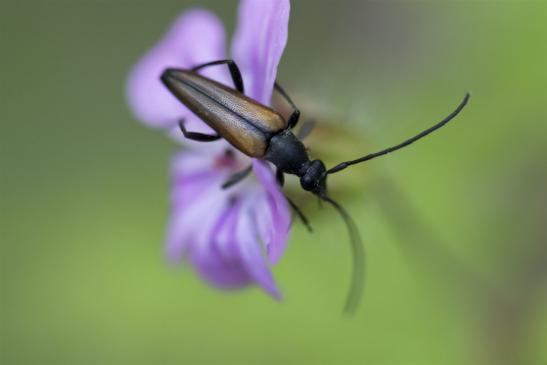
{"x": 230, "y": 236}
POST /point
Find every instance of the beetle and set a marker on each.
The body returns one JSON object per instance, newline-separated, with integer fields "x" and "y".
{"x": 263, "y": 133}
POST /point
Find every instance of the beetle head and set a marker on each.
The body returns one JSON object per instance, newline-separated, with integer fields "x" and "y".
{"x": 314, "y": 177}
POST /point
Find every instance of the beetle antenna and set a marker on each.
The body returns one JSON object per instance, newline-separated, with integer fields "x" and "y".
{"x": 409, "y": 141}
{"x": 358, "y": 252}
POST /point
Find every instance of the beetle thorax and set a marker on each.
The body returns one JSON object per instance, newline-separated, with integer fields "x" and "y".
{"x": 287, "y": 153}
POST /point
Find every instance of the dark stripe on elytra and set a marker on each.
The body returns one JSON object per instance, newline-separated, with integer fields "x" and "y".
{"x": 195, "y": 87}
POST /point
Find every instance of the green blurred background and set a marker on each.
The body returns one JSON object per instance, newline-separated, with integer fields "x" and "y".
{"x": 454, "y": 226}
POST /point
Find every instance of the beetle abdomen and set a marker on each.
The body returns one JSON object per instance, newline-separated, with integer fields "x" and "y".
{"x": 243, "y": 122}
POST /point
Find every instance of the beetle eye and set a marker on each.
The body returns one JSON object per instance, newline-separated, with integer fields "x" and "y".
{"x": 307, "y": 182}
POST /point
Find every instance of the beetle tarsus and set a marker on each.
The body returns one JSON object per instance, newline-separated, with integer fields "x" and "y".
{"x": 195, "y": 136}
{"x": 234, "y": 72}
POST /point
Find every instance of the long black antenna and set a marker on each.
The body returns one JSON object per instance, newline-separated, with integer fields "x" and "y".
{"x": 343, "y": 165}
{"x": 358, "y": 252}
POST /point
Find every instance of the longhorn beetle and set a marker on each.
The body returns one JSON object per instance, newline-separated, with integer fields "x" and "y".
{"x": 261, "y": 132}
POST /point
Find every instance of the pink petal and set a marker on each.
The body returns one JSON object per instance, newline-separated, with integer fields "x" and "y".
{"x": 222, "y": 237}
{"x": 217, "y": 262}
{"x": 230, "y": 256}
{"x": 259, "y": 42}
{"x": 196, "y": 201}
{"x": 195, "y": 37}
{"x": 250, "y": 251}
{"x": 274, "y": 211}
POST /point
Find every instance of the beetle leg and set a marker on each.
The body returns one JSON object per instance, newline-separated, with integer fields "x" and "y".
{"x": 234, "y": 72}
{"x": 195, "y": 136}
{"x": 237, "y": 177}
{"x": 293, "y": 119}
{"x": 300, "y": 214}
{"x": 306, "y": 129}
{"x": 280, "y": 177}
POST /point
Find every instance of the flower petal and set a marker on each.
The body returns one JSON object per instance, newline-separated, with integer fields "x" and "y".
{"x": 195, "y": 37}
{"x": 259, "y": 42}
{"x": 250, "y": 250}
{"x": 230, "y": 256}
{"x": 221, "y": 232}
{"x": 197, "y": 200}
{"x": 218, "y": 262}
{"x": 274, "y": 230}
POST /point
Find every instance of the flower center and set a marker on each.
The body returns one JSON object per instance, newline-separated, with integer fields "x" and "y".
{"x": 227, "y": 159}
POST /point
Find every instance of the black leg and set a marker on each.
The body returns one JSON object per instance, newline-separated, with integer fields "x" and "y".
{"x": 237, "y": 177}
{"x": 280, "y": 177}
{"x": 300, "y": 214}
{"x": 306, "y": 129}
{"x": 293, "y": 119}
{"x": 200, "y": 137}
{"x": 281, "y": 180}
{"x": 234, "y": 72}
